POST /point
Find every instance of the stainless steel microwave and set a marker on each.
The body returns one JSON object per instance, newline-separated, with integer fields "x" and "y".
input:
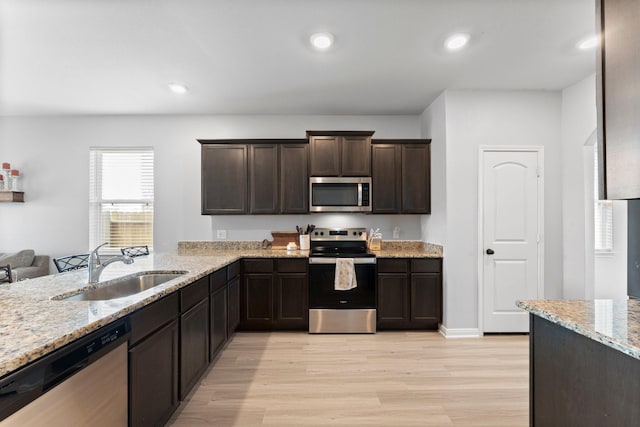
{"x": 339, "y": 194}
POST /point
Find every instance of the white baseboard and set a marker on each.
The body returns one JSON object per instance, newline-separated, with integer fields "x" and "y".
{"x": 459, "y": 332}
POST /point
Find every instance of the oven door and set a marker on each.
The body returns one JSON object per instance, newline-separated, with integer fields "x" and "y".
{"x": 322, "y": 293}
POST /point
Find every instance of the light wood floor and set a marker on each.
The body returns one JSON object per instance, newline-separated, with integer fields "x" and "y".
{"x": 386, "y": 379}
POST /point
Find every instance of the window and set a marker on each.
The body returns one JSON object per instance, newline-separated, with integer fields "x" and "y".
{"x": 602, "y": 215}
{"x": 120, "y": 197}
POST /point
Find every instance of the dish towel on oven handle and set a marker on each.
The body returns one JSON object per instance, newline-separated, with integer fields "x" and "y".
{"x": 345, "y": 274}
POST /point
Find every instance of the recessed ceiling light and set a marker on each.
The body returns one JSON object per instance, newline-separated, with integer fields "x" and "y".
{"x": 456, "y": 41}
{"x": 178, "y": 88}
{"x": 588, "y": 43}
{"x": 321, "y": 41}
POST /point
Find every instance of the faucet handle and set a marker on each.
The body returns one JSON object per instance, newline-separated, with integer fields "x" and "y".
{"x": 95, "y": 254}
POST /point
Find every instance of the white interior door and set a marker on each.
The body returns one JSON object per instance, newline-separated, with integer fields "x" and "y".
{"x": 510, "y": 228}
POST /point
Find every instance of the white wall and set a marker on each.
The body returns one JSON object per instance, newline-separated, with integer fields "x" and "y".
{"x": 578, "y": 124}
{"x": 53, "y": 155}
{"x": 474, "y": 119}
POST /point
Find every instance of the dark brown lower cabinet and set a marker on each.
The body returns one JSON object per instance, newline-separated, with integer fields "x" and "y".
{"x": 409, "y": 293}
{"x": 577, "y": 381}
{"x": 274, "y": 294}
{"x": 153, "y": 377}
{"x": 218, "y": 320}
{"x": 194, "y": 345}
{"x": 292, "y": 306}
{"x": 233, "y": 306}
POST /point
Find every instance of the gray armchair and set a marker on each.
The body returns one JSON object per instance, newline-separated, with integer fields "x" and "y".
{"x": 25, "y": 264}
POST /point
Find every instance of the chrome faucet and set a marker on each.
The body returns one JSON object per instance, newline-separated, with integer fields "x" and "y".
{"x": 96, "y": 267}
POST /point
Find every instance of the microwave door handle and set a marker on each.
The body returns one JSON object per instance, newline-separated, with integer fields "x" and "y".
{"x": 359, "y": 194}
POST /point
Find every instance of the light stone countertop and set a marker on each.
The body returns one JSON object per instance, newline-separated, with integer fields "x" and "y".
{"x": 614, "y": 323}
{"x": 32, "y": 325}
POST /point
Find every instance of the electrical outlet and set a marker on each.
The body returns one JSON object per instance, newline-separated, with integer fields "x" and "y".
{"x": 221, "y": 234}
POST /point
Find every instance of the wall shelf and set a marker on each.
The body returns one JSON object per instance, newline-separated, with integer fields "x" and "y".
{"x": 11, "y": 196}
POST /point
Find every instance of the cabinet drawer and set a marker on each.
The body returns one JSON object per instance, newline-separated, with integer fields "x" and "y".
{"x": 258, "y": 265}
{"x": 218, "y": 279}
{"x": 393, "y": 265}
{"x": 153, "y": 317}
{"x": 426, "y": 265}
{"x": 193, "y": 293}
{"x": 233, "y": 270}
{"x": 292, "y": 265}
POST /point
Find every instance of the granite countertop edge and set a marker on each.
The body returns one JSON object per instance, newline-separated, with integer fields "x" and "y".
{"x": 583, "y": 329}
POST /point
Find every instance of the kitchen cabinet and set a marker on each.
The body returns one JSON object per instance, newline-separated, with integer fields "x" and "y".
{"x": 409, "y": 293}
{"x": 340, "y": 153}
{"x": 274, "y": 294}
{"x": 153, "y": 362}
{"x": 224, "y": 179}
{"x": 294, "y": 178}
{"x": 263, "y": 178}
{"x": 254, "y": 176}
{"x": 618, "y": 106}
{"x": 233, "y": 298}
{"x": 291, "y": 294}
{"x": 218, "y": 312}
{"x": 401, "y": 176}
{"x": 194, "y": 333}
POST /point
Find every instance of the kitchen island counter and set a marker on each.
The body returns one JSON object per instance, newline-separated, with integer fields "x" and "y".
{"x": 584, "y": 362}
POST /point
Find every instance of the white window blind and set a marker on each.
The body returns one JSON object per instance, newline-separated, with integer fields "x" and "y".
{"x": 120, "y": 197}
{"x": 602, "y": 215}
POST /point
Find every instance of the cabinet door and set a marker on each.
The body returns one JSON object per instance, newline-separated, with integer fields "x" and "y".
{"x": 426, "y": 300}
{"x": 325, "y": 155}
{"x": 233, "y": 306}
{"x": 263, "y": 178}
{"x": 292, "y": 306}
{"x": 218, "y": 321}
{"x": 256, "y": 296}
{"x": 355, "y": 156}
{"x": 393, "y": 301}
{"x": 620, "y": 107}
{"x": 224, "y": 179}
{"x": 153, "y": 377}
{"x": 385, "y": 178}
{"x": 294, "y": 178}
{"x": 416, "y": 178}
{"x": 194, "y": 345}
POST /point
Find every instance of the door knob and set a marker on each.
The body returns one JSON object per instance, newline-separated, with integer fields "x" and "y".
{"x": 490, "y": 252}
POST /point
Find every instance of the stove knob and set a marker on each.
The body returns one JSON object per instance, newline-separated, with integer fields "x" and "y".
{"x": 354, "y": 233}
{"x": 322, "y": 233}
{"x": 360, "y": 233}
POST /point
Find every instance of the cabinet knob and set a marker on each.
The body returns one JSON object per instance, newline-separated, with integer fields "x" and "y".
{"x": 490, "y": 252}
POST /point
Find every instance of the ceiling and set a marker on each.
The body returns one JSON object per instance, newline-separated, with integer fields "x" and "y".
{"x": 69, "y": 57}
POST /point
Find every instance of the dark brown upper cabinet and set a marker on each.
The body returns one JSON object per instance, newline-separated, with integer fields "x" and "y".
{"x": 294, "y": 178}
{"x": 254, "y": 176}
{"x": 401, "y": 176}
{"x": 340, "y": 153}
{"x": 618, "y": 107}
{"x": 263, "y": 178}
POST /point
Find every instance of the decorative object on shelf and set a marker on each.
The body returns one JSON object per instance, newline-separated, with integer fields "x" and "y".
{"x": 4, "y": 174}
{"x": 14, "y": 180}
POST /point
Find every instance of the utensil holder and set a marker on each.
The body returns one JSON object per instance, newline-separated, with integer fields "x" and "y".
{"x": 304, "y": 242}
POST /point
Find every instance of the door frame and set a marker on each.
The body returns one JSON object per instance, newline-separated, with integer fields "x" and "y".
{"x": 514, "y": 148}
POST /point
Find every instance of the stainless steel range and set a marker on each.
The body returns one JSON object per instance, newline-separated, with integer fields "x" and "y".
{"x": 332, "y": 310}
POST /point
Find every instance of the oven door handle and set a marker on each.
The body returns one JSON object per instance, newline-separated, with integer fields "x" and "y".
{"x": 333, "y": 260}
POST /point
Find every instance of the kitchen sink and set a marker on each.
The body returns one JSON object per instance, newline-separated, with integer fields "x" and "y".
{"x": 123, "y": 286}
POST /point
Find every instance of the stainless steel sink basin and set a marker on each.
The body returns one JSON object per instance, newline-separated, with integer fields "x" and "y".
{"x": 123, "y": 286}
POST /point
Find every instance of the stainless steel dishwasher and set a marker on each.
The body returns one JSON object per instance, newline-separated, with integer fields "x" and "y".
{"x": 83, "y": 383}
